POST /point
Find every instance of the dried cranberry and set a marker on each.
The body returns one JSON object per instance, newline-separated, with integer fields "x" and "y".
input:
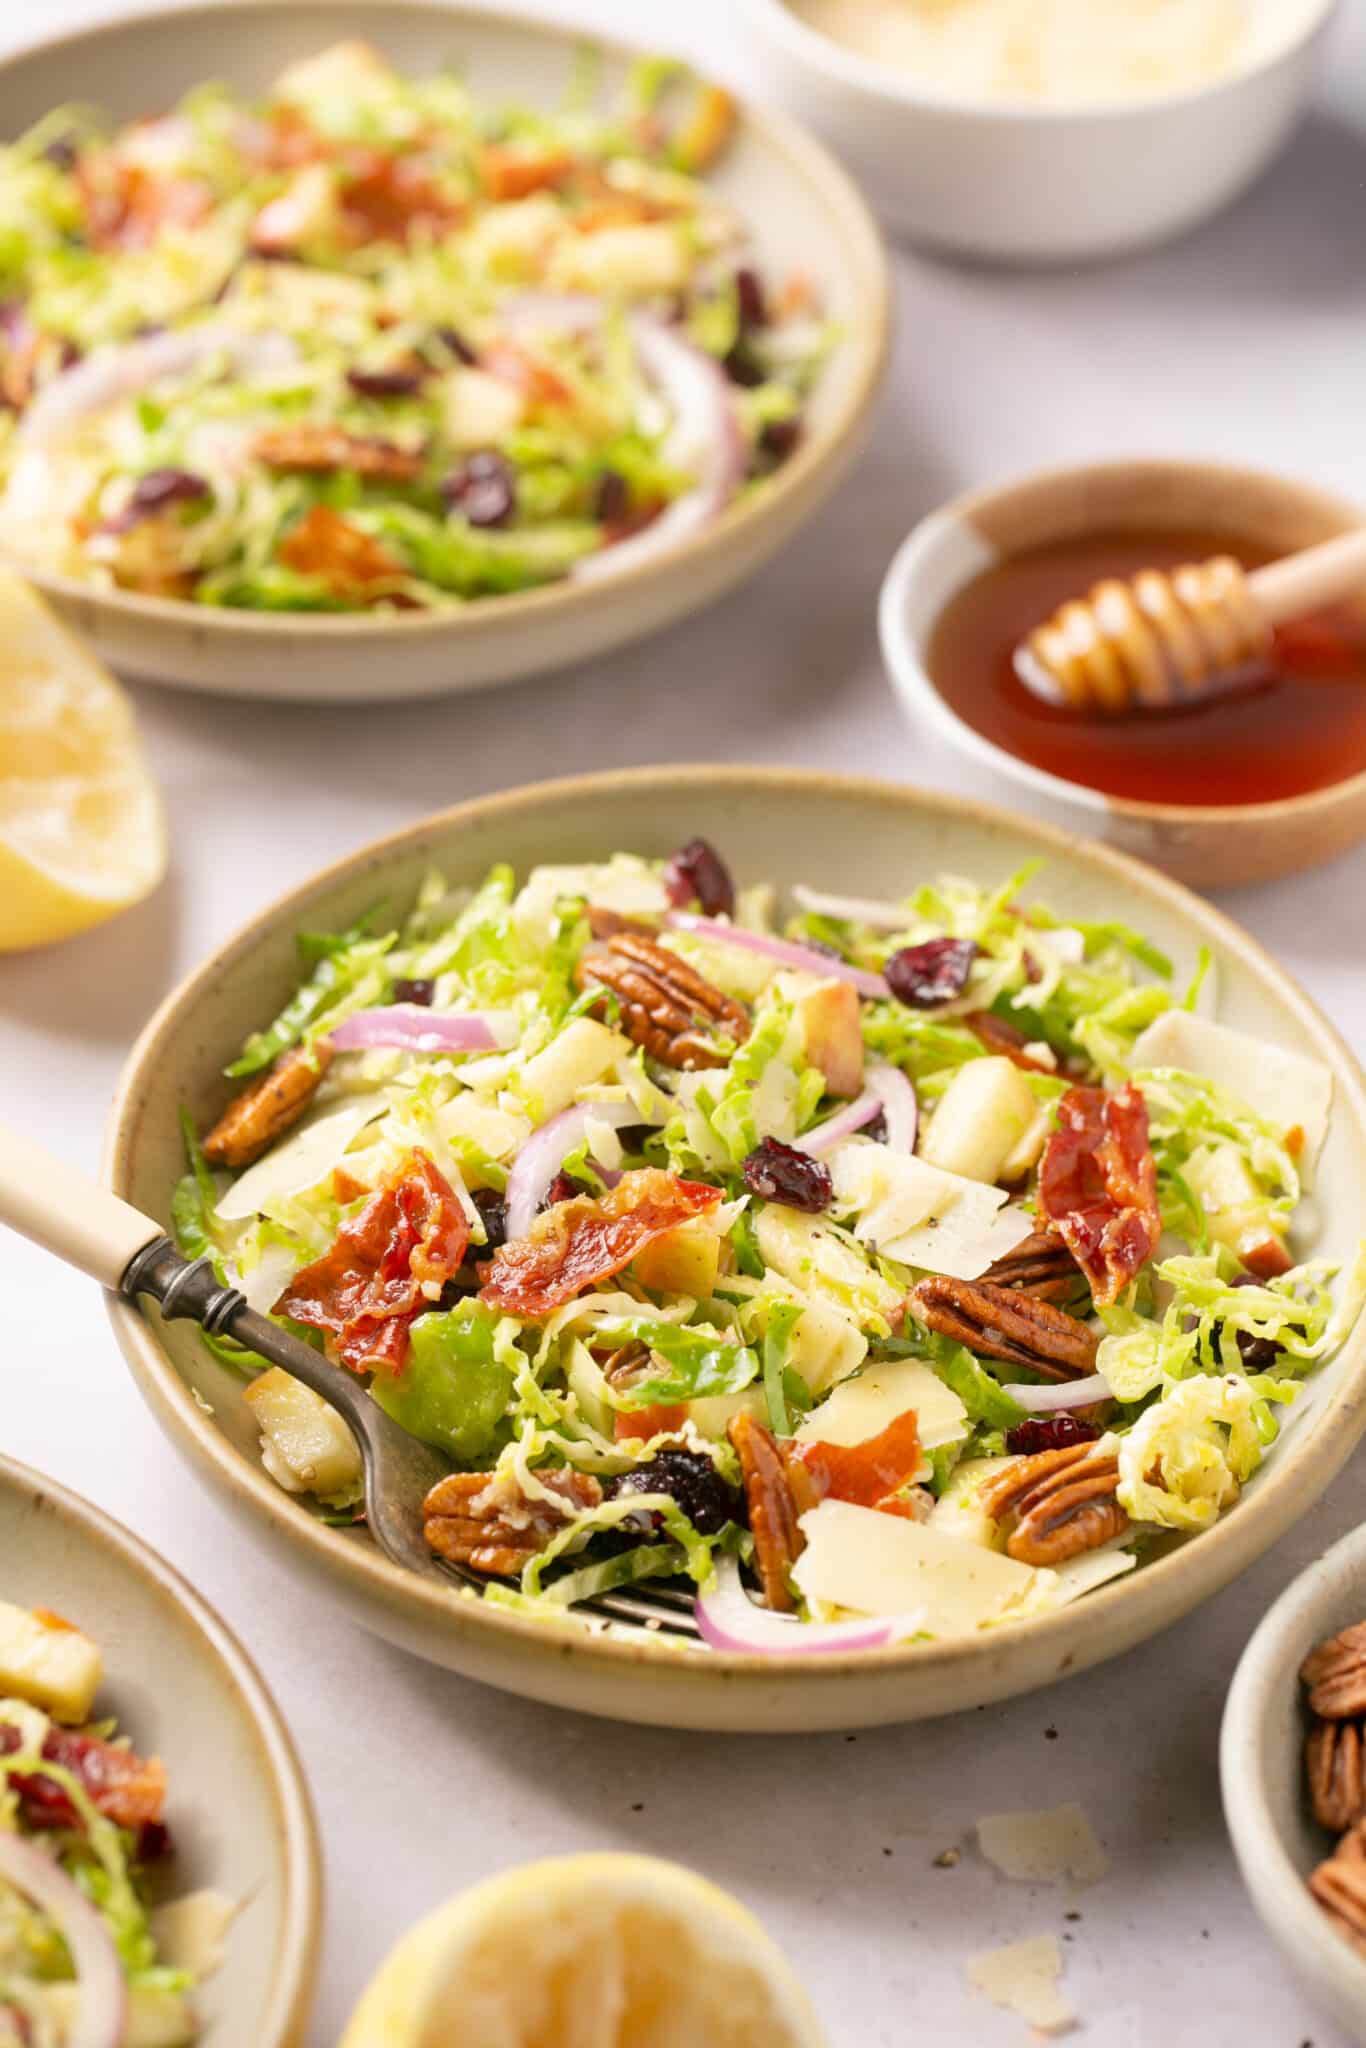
{"x": 456, "y": 345}
{"x": 493, "y": 1209}
{"x": 483, "y": 489}
{"x": 154, "y": 492}
{"x": 1052, "y": 1433}
{"x": 876, "y": 1127}
{"x": 420, "y": 991}
{"x": 1259, "y": 1354}
{"x": 743, "y": 367}
{"x": 563, "y": 1188}
{"x": 933, "y": 972}
{"x": 780, "y": 438}
{"x": 61, "y": 152}
{"x": 749, "y": 298}
{"x": 612, "y": 499}
{"x": 697, "y": 874}
{"x": 402, "y": 381}
{"x": 691, "y": 1479}
{"x": 780, "y": 1173}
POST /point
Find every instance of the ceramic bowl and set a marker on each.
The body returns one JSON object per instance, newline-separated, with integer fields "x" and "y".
{"x": 804, "y": 211}
{"x": 870, "y": 837}
{"x": 1028, "y": 183}
{"x": 185, "y": 1690}
{"x": 1261, "y": 1772}
{"x": 1212, "y": 846}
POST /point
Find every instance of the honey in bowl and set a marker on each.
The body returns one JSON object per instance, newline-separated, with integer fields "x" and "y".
{"x": 1295, "y": 723}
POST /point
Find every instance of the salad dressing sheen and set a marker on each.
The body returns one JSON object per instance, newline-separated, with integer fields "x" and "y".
{"x": 1298, "y": 723}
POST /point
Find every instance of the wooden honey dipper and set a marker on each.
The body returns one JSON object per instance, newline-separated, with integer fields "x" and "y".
{"x": 1170, "y": 637}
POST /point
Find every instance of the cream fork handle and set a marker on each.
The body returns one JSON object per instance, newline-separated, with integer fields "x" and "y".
{"x": 67, "y": 1212}
{"x": 1299, "y": 584}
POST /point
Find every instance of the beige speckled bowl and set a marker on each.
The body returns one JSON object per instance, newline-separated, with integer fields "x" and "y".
{"x": 1212, "y": 845}
{"x": 1261, "y": 1772}
{"x": 185, "y": 1690}
{"x": 859, "y": 836}
{"x": 805, "y": 214}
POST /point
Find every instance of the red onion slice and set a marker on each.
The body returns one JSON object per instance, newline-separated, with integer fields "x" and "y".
{"x": 413, "y": 1029}
{"x": 115, "y": 372}
{"x": 842, "y": 1124}
{"x": 102, "y": 2008}
{"x": 728, "y": 1619}
{"x": 899, "y": 1105}
{"x": 1069, "y": 1394}
{"x": 704, "y": 436}
{"x": 785, "y": 950}
{"x": 545, "y": 1151}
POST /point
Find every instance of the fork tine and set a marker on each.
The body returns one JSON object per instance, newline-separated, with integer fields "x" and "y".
{"x": 645, "y": 1610}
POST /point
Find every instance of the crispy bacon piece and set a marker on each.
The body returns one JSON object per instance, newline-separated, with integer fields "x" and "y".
{"x": 386, "y": 197}
{"x": 870, "y": 1474}
{"x": 349, "y": 562}
{"x": 1000, "y": 1036}
{"x": 126, "y": 206}
{"x": 1098, "y": 1186}
{"x": 366, "y": 1292}
{"x": 129, "y": 1789}
{"x": 516, "y": 174}
{"x": 577, "y": 1243}
{"x": 318, "y": 449}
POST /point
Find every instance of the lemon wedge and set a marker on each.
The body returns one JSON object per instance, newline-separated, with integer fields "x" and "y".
{"x": 605, "y": 1951}
{"x": 82, "y": 833}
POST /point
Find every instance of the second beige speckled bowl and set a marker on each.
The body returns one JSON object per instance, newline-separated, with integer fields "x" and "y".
{"x": 862, "y": 837}
{"x": 185, "y": 1690}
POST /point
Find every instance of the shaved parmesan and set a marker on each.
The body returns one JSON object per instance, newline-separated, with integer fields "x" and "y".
{"x": 191, "y": 1932}
{"x": 959, "y": 1513}
{"x": 863, "y": 1407}
{"x": 467, "y": 1118}
{"x": 625, "y": 884}
{"x": 921, "y": 1215}
{"x": 262, "y": 1284}
{"x": 1286, "y": 1088}
{"x": 307, "y": 1156}
{"x": 1024, "y": 1978}
{"x": 1043, "y": 1847}
{"x": 870, "y": 1563}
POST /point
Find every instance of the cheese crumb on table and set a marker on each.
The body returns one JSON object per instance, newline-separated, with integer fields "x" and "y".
{"x": 1043, "y": 1846}
{"x": 1024, "y": 1978}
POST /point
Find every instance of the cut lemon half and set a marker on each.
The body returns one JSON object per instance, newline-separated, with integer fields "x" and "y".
{"x": 587, "y": 1952}
{"x": 82, "y": 833}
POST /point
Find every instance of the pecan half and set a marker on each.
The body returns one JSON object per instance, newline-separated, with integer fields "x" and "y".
{"x": 1339, "y": 1885}
{"x": 487, "y": 1522}
{"x": 319, "y": 449}
{"x": 1061, "y": 1503}
{"x": 605, "y": 924}
{"x": 268, "y": 1108}
{"x": 1002, "y": 1322}
{"x": 1041, "y": 1265}
{"x": 778, "y": 1489}
{"x": 1335, "y": 1674}
{"x": 666, "y": 1005}
{"x": 1333, "y": 1767}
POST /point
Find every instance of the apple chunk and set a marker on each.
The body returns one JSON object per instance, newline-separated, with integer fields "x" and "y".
{"x": 683, "y": 1260}
{"x": 833, "y": 1035}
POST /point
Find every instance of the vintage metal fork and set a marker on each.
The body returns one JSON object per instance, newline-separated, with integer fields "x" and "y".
{"x": 127, "y": 1252}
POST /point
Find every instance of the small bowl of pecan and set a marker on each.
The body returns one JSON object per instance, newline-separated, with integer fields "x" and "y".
{"x": 1293, "y": 1771}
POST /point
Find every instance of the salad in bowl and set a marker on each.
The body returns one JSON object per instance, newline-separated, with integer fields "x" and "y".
{"x": 882, "y": 1270}
{"x": 86, "y": 1955}
{"x": 369, "y": 343}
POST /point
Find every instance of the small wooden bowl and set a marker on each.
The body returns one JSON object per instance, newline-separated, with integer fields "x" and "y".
{"x": 1212, "y": 846}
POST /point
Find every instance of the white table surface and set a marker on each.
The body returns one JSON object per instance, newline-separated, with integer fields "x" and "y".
{"x": 1246, "y": 340}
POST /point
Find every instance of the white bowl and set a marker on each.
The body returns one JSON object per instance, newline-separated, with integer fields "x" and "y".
{"x": 1209, "y": 845}
{"x": 1261, "y": 1773}
{"x": 803, "y": 212}
{"x": 1032, "y": 183}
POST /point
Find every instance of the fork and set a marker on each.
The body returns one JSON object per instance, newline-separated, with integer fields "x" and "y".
{"x": 102, "y": 1235}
